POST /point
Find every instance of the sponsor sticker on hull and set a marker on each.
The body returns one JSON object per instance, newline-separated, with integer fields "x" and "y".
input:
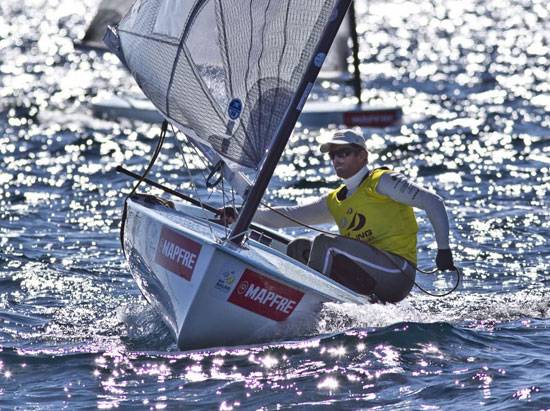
{"x": 265, "y": 296}
{"x": 225, "y": 282}
{"x": 177, "y": 253}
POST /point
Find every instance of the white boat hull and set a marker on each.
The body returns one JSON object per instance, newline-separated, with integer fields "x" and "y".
{"x": 211, "y": 294}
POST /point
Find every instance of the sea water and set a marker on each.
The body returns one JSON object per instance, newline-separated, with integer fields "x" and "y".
{"x": 473, "y": 80}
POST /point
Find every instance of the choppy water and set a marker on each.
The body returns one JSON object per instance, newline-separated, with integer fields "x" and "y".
{"x": 473, "y": 79}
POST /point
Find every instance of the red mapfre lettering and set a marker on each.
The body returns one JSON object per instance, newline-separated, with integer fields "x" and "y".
{"x": 177, "y": 253}
{"x": 264, "y": 296}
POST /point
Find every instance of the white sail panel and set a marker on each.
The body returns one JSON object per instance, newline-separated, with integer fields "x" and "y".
{"x": 170, "y": 17}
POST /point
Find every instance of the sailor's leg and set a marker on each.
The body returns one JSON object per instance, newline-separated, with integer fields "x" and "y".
{"x": 299, "y": 249}
{"x": 319, "y": 252}
{"x": 363, "y": 268}
{"x": 393, "y": 277}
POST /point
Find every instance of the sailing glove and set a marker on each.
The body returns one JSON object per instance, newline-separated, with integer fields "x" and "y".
{"x": 444, "y": 260}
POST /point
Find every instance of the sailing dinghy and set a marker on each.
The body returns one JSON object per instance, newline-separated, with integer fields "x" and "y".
{"x": 136, "y": 106}
{"x": 233, "y": 76}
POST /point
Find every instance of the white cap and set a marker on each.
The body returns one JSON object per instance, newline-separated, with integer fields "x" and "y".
{"x": 344, "y": 137}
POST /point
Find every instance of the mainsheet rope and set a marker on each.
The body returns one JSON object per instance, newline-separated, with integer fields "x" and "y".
{"x": 158, "y": 148}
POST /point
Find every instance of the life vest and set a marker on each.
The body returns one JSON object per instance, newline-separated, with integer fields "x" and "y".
{"x": 375, "y": 218}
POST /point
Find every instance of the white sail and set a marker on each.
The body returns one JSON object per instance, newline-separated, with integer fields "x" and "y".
{"x": 223, "y": 71}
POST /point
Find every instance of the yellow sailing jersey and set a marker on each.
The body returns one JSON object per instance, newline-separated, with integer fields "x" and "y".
{"x": 375, "y": 218}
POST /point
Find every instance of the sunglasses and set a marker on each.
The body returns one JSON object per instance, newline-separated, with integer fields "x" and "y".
{"x": 342, "y": 153}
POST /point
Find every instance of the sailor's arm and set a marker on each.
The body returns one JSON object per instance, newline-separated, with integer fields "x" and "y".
{"x": 398, "y": 188}
{"x": 313, "y": 213}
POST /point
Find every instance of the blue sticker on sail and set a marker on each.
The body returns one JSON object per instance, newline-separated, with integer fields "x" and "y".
{"x": 234, "y": 109}
{"x": 319, "y": 59}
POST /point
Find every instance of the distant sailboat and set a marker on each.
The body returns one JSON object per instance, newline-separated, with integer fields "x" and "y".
{"x": 233, "y": 76}
{"x": 315, "y": 113}
{"x": 109, "y": 13}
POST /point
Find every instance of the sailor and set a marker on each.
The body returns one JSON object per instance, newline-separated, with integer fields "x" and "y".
{"x": 376, "y": 251}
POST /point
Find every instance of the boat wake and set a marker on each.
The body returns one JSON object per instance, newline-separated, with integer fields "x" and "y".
{"x": 145, "y": 329}
{"x": 456, "y": 308}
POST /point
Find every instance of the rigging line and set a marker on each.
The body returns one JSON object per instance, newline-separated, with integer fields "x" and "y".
{"x": 223, "y": 200}
{"x": 200, "y": 156}
{"x": 231, "y": 200}
{"x": 194, "y": 187}
{"x": 197, "y": 153}
{"x": 458, "y": 275}
{"x": 295, "y": 221}
{"x": 192, "y": 146}
{"x": 274, "y": 235}
{"x": 457, "y": 270}
{"x": 458, "y": 279}
{"x": 245, "y": 236}
{"x": 157, "y": 151}
{"x": 232, "y": 197}
{"x": 205, "y": 163}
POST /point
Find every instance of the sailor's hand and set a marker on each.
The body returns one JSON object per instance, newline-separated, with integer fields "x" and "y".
{"x": 444, "y": 260}
{"x": 227, "y": 215}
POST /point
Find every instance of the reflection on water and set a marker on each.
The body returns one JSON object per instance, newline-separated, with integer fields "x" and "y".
{"x": 472, "y": 78}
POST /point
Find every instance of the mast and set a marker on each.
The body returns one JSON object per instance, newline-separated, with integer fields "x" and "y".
{"x": 287, "y": 124}
{"x": 355, "y": 52}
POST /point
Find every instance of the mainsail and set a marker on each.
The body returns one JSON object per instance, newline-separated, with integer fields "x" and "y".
{"x": 231, "y": 74}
